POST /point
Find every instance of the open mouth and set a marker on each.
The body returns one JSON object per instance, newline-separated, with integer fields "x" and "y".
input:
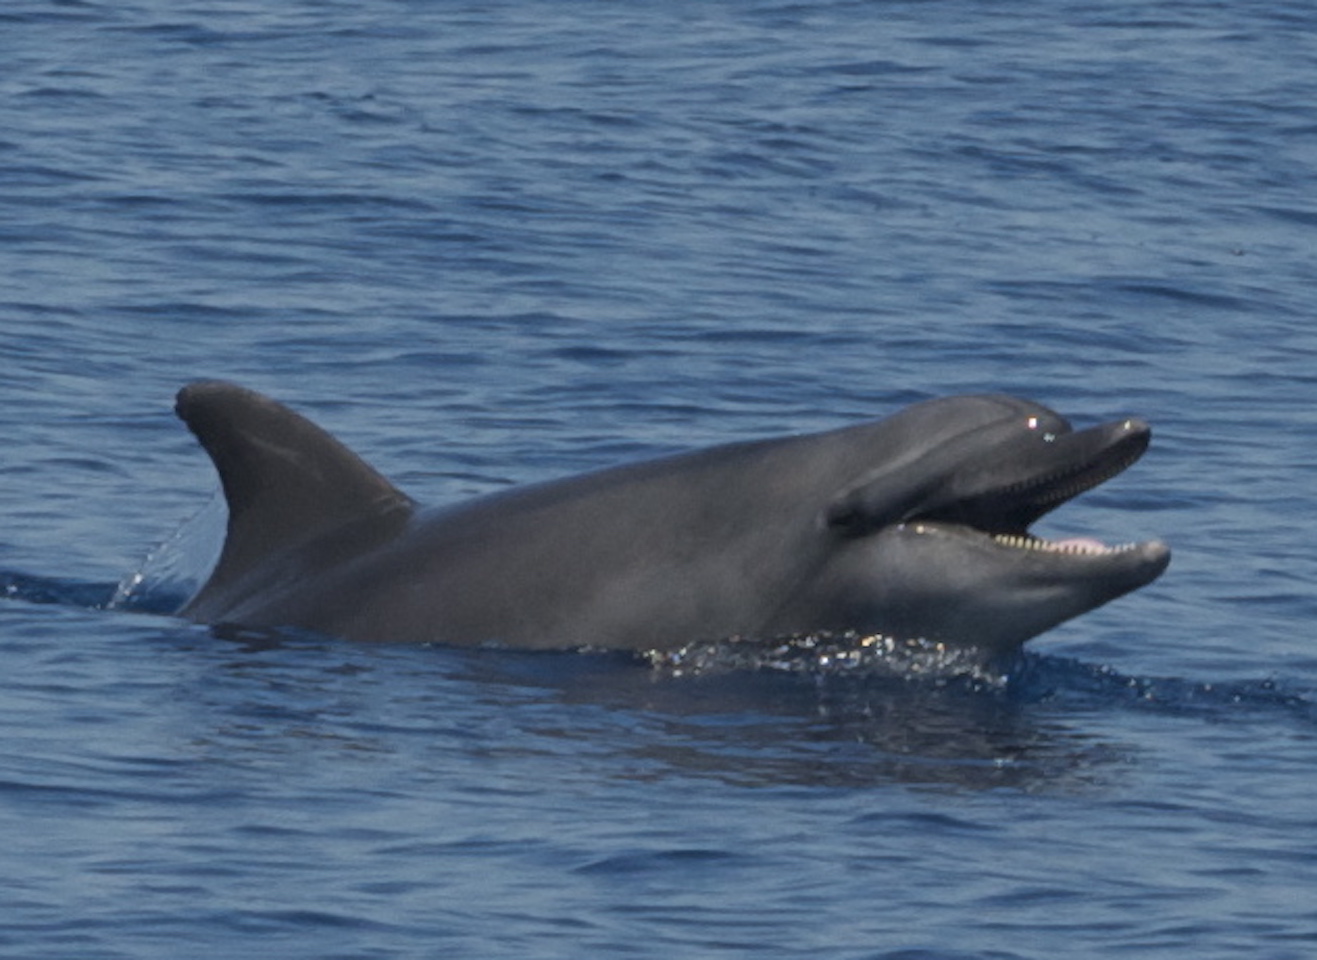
{"x": 1078, "y": 462}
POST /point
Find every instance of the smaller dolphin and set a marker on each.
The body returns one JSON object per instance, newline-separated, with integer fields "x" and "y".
{"x": 913, "y": 527}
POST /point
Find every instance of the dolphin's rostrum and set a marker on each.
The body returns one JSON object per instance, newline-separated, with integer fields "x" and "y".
{"x": 913, "y": 527}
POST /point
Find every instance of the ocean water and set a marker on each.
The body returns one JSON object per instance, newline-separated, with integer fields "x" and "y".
{"x": 495, "y": 243}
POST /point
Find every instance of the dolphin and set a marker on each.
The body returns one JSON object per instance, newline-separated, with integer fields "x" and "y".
{"x": 914, "y": 527}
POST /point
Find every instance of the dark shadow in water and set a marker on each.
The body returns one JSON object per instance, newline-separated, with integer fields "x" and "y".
{"x": 1073, "y": 684}
{"x": 842, "y": 726}
{"x": 68, "y": 593}
{"x": 789, "y": 728}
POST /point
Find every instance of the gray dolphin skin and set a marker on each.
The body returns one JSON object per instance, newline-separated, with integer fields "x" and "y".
{"x": 912, "y": 527}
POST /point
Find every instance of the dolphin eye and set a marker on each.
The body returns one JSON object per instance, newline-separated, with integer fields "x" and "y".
{"x": 1033, "y": 424}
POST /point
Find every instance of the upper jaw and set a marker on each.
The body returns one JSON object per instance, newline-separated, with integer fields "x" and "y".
{"x": 1067, "y": 466}
{"x": 1081, "y": 462}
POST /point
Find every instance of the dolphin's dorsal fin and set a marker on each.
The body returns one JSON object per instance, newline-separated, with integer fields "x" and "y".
{"x": 285, "y": 479}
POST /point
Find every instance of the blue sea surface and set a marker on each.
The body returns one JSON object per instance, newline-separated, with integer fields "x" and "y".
{"x": 495, "y": 243}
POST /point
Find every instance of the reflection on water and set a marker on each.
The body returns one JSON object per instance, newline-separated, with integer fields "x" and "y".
{"x": 842, "y": 726}
{"x": 837, "y": 727}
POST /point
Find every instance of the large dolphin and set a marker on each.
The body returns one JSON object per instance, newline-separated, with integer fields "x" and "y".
{"x": 913, "y": 527}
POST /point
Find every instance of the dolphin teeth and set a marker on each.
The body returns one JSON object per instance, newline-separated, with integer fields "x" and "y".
{"x": 1077, "y": 547}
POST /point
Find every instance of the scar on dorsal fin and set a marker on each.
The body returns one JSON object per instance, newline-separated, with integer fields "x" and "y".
{"x": 285, "y": 479}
